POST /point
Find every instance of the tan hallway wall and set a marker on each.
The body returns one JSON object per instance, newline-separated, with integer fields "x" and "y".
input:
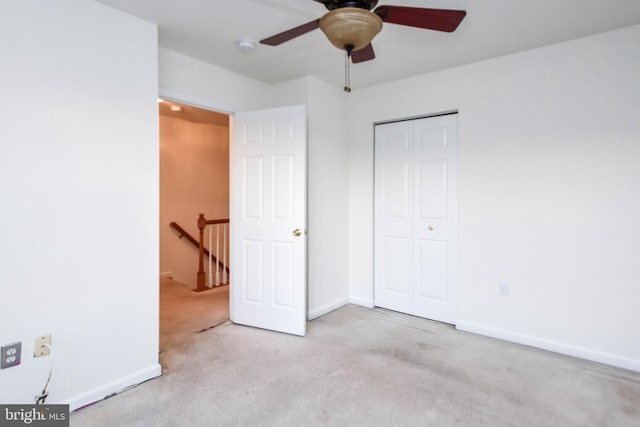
{"x": 194, "y": 178}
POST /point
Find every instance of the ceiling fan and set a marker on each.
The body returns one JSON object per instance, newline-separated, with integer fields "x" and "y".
{"x": 350, "y": 25}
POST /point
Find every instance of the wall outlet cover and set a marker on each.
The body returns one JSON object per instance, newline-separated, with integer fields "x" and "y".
{"x": 11, "y": 354}
{"x": 503, "y": 289}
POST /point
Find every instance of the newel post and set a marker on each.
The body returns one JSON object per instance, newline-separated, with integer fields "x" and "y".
{"x": 202, "y": 223}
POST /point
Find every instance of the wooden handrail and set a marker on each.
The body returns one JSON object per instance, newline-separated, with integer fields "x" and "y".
{"x": 217, "y": 221}
{"x": 184, "y": 233}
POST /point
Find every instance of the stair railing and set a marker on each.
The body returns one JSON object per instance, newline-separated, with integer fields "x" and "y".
{"x": 220, "y": 266}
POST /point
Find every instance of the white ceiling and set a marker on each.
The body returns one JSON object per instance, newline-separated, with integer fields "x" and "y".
{"x": 209, "y": 30}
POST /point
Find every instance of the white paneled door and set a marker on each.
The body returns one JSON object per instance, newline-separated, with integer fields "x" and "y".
{"x": 268, "y": 219}
{"x": 416, "y": 217}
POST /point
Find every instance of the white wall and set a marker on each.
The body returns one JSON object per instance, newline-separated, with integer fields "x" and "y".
{"x": 549, "y": 195}
{"x": 198, "y": 83}
{"x": 328, "y": 198}
{"x": 79, "y": 187}
{"x": 327, "y": 169}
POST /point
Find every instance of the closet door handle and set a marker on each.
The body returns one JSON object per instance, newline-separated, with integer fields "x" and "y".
{"x": 430, "y": 228}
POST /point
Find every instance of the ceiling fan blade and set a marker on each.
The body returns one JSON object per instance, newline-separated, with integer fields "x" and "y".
{"x": 285, "y": 36}
{"x": 430, "y": 19}
{"x": 364, "y": 54}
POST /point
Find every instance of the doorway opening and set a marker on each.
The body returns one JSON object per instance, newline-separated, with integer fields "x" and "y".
{"x": 194, "y": 180}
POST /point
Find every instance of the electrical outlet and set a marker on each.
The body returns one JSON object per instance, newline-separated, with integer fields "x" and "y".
{"x": 10, "y": 355}
{"x": 503, "y": 289}
{"x": 40, "y": 349}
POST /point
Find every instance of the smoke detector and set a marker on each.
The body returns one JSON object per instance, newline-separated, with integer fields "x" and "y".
{"x": 246, "y": 46}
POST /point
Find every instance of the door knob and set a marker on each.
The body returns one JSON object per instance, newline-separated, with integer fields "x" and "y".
{"x": 297, "y": 232}
{"x": 431, "y": 228}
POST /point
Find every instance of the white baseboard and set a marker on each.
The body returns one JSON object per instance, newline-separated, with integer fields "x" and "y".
{"x": 314, "y": 314}
{"x": 166, "y": 275}
{"x": 114, "y": 387}
{"x": 369, "y": 303}
{"x": 557, "y": 347}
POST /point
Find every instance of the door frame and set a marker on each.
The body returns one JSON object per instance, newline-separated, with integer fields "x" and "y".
{"x": 230, "y": 110}
{"x": 181, "y": 98}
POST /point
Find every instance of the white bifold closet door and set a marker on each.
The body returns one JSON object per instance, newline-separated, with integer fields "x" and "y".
{"x": 416, "y": 217}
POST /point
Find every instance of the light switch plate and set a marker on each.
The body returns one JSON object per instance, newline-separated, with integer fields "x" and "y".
{"x": 39, "y": 348}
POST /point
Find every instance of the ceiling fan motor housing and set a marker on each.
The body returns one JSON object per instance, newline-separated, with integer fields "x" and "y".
{"x": 350, "y": 26}
{"x": 336, "y": 4}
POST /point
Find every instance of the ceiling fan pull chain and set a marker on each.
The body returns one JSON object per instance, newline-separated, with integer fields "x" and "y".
{"x": 347, "y": 67}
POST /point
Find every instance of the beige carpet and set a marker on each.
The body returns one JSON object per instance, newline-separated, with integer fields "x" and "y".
{"x": 185, "y": 313}
{"x": 362, "y": 367}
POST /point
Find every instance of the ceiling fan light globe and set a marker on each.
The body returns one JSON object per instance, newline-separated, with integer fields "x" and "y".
{"x": 350, "y": 26}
